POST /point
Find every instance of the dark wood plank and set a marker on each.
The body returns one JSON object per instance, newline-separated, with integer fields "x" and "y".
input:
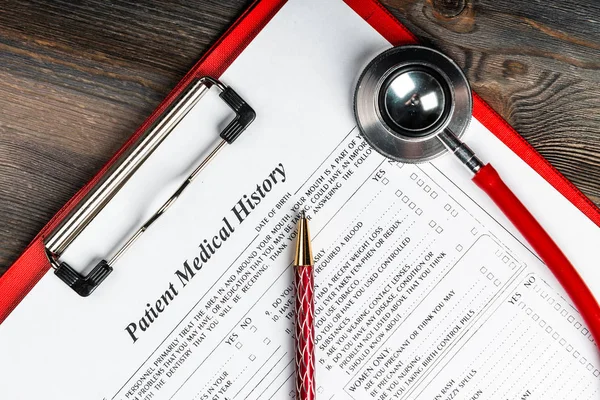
{"x": 77, "y": 78}
{"x": 535, "y": 62}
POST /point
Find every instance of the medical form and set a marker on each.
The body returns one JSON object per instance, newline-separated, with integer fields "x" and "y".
{"x": 423, "y": 290}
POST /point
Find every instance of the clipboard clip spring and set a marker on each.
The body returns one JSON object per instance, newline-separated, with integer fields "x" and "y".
{"x": 125, "y": 167}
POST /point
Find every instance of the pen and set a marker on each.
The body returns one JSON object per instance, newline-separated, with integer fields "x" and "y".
{"x": 305, "y": 330}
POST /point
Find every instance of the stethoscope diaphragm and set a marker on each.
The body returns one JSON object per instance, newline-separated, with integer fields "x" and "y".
{"x": 406, "y": 97}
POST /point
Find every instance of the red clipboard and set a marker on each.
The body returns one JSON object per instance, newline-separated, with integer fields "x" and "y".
{"x": 22, "y": 276}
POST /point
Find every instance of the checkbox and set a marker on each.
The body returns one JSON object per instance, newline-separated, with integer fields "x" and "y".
{"x": 412, "y": 205}
{"x": 432, "y": 223}
{"x": 439, "y": 229}
{"x": 454, "y": 213}
{"x": 267, "y": 340}
{"x": 505, "y": 259}
{"x": 385, "y": 181}
{"x": 459, "y": 248}
{"x": 490, "y": 276}
{"x": 253, "y": 328}
{"x": 399, "y": 165}
{"x": 320, "y": 389}
{"x": 447, "y": 207}
{"x": 474, "y": 231}
{"x": 427, "y": 189}
{"x": 252, "y": 357}
{"x": 413, "y": 176}
{"x": 238, "y": 345}
{"x": 405, "y": 199}
{"x": 497, "y": 282}
{"x": 419, "y": 211}
{"x": 483, "y": 270}
{"x": 564, "y": 313}
{"x": 398, "y": 193}
{"x": 434, "y": 195}
{"x": 420, "y": 182}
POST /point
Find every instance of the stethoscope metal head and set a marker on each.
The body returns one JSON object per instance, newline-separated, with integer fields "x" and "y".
{"x": 407, "y": 98}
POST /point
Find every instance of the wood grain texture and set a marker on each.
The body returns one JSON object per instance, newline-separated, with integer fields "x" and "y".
{"x": 535, "y": 62}
{"x": 77, "y": 78}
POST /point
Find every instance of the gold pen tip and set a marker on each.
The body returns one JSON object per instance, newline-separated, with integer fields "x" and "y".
{"x": 303, "y": 254}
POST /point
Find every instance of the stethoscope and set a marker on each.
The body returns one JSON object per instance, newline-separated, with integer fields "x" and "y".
{"x": 412, "y": 104}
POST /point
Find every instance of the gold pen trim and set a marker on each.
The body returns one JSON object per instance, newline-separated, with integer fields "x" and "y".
{"x": 303, "y": 247}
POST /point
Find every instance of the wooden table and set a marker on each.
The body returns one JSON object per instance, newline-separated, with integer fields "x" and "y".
{"x": 77, "y": 78}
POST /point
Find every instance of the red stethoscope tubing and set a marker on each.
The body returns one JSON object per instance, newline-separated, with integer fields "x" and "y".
{"x": 490, "y": 182}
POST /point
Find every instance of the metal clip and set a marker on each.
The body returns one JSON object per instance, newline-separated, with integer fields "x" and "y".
{"x": 125, "y": 167}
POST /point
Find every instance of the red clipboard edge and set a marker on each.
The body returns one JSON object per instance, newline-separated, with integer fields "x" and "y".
{"x": 33, "y": 264}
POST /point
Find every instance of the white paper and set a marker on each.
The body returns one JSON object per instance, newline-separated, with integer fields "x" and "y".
{"x": 423, "y": 290}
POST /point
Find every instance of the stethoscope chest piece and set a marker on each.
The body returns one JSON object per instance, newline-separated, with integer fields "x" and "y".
{"x": 406, "y": 97}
